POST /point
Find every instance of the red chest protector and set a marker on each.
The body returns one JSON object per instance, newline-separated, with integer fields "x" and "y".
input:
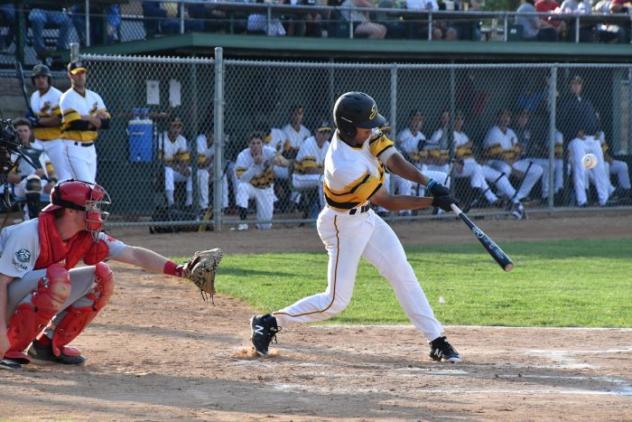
{"x": 54, "y": 250}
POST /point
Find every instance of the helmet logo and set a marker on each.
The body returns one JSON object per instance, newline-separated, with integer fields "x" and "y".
{"x": 373, "y": 114}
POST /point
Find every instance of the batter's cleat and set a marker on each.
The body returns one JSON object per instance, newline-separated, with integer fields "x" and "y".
{"x": 263, "y": 330}
{"x": 518, "y": 212}
{"x": 44, "y": 352}
{"x": 9, "y": 364}
{"x": 242, "y": 227}
{"x": 441, "y": 350}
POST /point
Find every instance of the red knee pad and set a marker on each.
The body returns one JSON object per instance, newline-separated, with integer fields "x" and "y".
{"x": 29, "y": 319}
{"x": 76, "y": 319}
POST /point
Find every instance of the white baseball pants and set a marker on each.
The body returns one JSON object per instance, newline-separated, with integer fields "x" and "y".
{"x": 558, "y": 175}
{"x": 577, "y": 148}
{"x": 264, "y": 200}
{"x": 56, "y": 151}
{"x": 348, "y": 238}
{"x": 529, "y": 178}
{"x": 82, "y": 160}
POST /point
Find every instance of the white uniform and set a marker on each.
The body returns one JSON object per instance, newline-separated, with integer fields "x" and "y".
{"x": 207, "y": 154}
{"x": 507, "y": 141}
{"x": 409, "y": 143}
{"x": 256, "y": 181}
{"x": 278, "y": 139}
{"x": 80, "y": 150}
{"x": 351, "y": 230}
{"x": 558, "y": 165}
{"x": 577, "y": 148}
{"x": 438, "y": 141}
{"x": 48, "y": 105}
{"x": 25, "y": 169}
{"x": 616, "y": 168}
{"x": 178, "y": 151}
{"x": 293, "y": 140}
{"x": 310, "y": 156}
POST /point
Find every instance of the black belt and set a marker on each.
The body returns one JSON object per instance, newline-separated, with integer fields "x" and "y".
{"x": 363, "y": 208}
{"x": 84, "y": 145}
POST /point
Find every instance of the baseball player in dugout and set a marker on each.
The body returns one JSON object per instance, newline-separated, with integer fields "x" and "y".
{"x": 83, "y": 115}
{"x": 45, "y": 303}
{"x": 350, "y": 229}
{"x": 46, "y": 122}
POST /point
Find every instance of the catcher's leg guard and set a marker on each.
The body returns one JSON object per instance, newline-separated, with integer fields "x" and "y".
{"x": 30, "y": 318}
{"x": 76, "y": 319}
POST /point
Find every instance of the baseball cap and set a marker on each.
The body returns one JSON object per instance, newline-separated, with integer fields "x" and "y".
{"x": 324, "y": 126}
{"x": 76, "y": 67}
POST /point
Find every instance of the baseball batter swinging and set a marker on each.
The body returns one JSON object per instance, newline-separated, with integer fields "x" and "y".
{"x": 350, "y": 230}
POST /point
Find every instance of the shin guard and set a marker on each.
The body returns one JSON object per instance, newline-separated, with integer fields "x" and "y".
{"x": 76, "y": 319}
{"x": 30, "y": 318}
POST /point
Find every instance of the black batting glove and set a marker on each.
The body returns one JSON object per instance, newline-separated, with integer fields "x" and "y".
{"x": 443, "y": 202}
{"x": 437, "y": 189}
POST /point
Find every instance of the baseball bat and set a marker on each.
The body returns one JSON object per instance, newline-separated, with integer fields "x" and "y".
{"x": 490, "y": 246}
{"x": 20, "y": 75}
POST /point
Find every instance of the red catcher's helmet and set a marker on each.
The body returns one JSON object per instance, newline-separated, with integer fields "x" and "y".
{"x": 82, "y": 196}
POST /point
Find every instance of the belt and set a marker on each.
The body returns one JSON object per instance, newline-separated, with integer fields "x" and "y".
{"x": 84, "y": 145}
{"x": 363, "y": 208}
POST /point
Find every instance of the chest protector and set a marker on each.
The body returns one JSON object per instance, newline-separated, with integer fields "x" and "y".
{"x": 54, "y": 250}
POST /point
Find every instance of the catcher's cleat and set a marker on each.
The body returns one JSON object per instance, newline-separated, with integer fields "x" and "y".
{"x": 441, "y": 350}
{"x": 263, "y": 330}
{"x": 9, "y": 364}
{"x": 44, "y": 352}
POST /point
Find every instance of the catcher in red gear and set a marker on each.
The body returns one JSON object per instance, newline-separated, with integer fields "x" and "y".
{"x": 48, "y": 303}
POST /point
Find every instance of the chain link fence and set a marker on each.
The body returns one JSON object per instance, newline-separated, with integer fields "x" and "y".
{"x": 507, "y": 139}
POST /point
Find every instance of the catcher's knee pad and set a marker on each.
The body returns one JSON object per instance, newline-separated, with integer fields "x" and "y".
{"x": 30, "y": 318}
{"x": 76, "y": 319}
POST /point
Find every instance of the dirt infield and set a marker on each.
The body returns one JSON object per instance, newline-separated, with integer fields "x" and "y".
{"x": 158, "y": 353}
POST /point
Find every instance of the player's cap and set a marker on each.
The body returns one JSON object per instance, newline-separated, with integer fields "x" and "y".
{"x": 324, "y": 126}
{"x": 41, "y": 70}
{"x": 77, "y": 195}
{"x": 577, "y": 79}
{"x": 76, "y": 67}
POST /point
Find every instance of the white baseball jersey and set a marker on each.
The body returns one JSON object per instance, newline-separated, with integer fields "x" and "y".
{"x": 295, "y": 138}
{"x": 310, "y": 155}
{"x": 46, "y": 105}
{"x": 205, "y": 153}
{"x": 171, "y": 150}
{"x": 39, "y": 158}
{"x": 354, "y": 174}
{"x": 20, "y": 248}
{"x": 73, "y": 106}
{"x": 259, "y": 175}
{"x": 438, "y": 140}
{"x": 506, "y": 140}
{"x": 277, "y": 139}
{"x": 409, "y": 143}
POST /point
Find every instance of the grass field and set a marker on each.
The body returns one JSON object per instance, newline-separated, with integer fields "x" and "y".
{"x": 561, "y": 283}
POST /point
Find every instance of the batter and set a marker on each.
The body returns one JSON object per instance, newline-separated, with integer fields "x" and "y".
{"x": 353, "y": 177}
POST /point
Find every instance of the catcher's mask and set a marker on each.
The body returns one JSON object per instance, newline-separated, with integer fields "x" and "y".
{"x": 356, "y": 110}
{"x": 82, "y": 196}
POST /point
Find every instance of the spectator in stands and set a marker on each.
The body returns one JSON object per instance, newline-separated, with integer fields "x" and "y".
{"x": 469, "y": 29}
{"x": 49, "y": 16}
{"x": 550, "y": 6}
{"x": 578, "y": 7}
{"x": 163, "y": 17}
{"x": 108, "y": 16}
{"x": 8, "y": 19}
{"x": 256, "y": 181}
{"x": 307, "y": 178}
{"x": 503, "y": 152}
{"x": 363, "y": 27}
{"x": 417, "y": 26}
{"x": 258, "y": 23}
{"x": 530, "y": 24}
{"x": 395, "y": 28}
{"x": 176, "y": 157}
{"x": 606, "y": 32}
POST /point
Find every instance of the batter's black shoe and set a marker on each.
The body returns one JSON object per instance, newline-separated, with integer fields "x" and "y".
{"x": 441, "y": 350}
{"x": 9, "y": 364}
{"x": 263, "y": 331}
{"x": 44, "y": 352}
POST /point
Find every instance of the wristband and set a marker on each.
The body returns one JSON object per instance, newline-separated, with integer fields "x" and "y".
{"x": 171, "y": 268}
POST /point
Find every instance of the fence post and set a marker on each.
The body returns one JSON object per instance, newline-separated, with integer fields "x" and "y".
{"x": 429, "y": 26}
{"x": 576, "y": 29}
{"x": 87, "y": 20}
{"x": 194, "y": 149}
{"x": 393, "y": 116}
{"x": 181, "y": 11}
{"x": 218, "y": 134}
{"x": 74, "y": 51}
{"x": 552, "y": 129}
{"x": 505, "y": 27}
{"x": 450, "y": 134}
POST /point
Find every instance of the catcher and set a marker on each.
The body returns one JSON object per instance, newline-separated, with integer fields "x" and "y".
{"x": 45, "y": 303}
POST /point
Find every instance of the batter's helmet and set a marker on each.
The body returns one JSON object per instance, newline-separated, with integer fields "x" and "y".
{"x": 41, "y": 70}
{"x": 356, "y": 110}
{"x": 82, "y": 196}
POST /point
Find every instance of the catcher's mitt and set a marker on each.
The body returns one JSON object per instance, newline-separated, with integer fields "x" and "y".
{"x": 201, "y": 269}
